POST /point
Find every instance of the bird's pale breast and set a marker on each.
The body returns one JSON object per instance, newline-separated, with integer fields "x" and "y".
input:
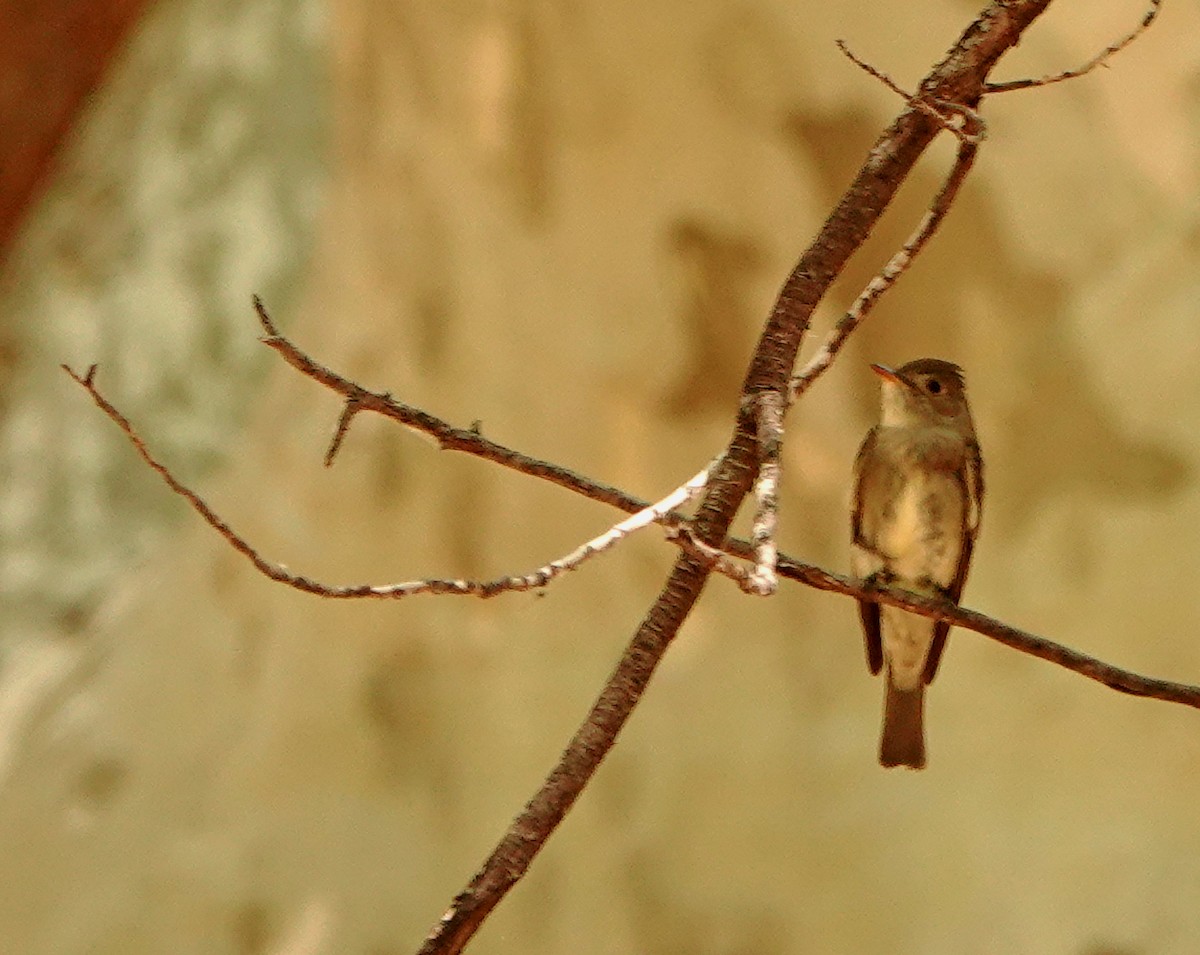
{"x": 921, "y": 529}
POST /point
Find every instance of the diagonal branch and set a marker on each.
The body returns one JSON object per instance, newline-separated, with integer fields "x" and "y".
{"x": 446, "y": 436}
{"x": 1125, "y": 681}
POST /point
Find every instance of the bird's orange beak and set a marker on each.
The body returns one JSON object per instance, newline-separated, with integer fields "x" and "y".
{"x": 887, "y": 373}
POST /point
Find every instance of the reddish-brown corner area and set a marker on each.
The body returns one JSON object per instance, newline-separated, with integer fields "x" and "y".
{"x": 53, "y": 53}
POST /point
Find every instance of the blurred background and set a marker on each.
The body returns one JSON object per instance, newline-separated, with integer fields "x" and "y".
{"x": 568, "y": 221}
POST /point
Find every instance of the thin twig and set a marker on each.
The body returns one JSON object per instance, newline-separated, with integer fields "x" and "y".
{"x": 716, "y": 559}
{"x": 1100, "y": 58}
{"x": 967, "y": 124}
{"x": 888, "y": 275}
{"x": 447, "y": 437}
{"x": 874, "y": 71}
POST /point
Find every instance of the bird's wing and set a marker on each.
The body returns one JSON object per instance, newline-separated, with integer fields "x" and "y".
{"x": 972, "y": 489}
{"x": 864, "y": 559}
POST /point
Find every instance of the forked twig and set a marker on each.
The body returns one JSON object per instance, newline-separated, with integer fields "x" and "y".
{"x": 1115, "y": 677}
{"x": 769, "y": 410}
{"x": 959, "y": 78}
{"x": 661, "y": 511}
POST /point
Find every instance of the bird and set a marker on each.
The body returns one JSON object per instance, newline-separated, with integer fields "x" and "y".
{"x": 918, "y": 498}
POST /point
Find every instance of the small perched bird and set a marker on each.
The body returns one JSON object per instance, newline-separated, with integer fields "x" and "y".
{"x": 918, "y": 492}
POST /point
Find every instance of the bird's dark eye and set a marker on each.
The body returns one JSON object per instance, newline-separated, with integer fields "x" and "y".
{"x": 934, "y": 386}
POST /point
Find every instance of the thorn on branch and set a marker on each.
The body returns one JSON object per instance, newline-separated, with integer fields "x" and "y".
{"x": 351, "y": 408}
{"x": 1100, "y": 59}
{"x": 265, "y": 319}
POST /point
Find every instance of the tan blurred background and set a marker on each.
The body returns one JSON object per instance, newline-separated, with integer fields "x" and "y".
{"x": 568, "y": 221}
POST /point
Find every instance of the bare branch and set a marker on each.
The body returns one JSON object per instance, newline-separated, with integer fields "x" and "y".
{"x": 938, "y": 609}
{"x": 769, "y": 411}
{"x": 272, "y": 570}
{"x": 1125, "y": 681}
{"x": 888, "y": 275}
{"x": 946, "y": 100}
{"x": 657, "y": 512}
{"x": 1099, "y": 59}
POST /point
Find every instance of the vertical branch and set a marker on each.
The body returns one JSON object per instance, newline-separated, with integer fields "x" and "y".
{"x": 769, "y": 413}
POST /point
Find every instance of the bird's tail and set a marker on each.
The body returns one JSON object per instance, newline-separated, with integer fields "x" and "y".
{"x": 902, "y": 742}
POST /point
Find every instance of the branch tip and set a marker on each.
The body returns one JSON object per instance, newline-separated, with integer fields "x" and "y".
{"x": 87, "y": 379}
{"x": 264, "y": 319}
{"x": 1099, "y": 60}
{"x": 873, "y": 71}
